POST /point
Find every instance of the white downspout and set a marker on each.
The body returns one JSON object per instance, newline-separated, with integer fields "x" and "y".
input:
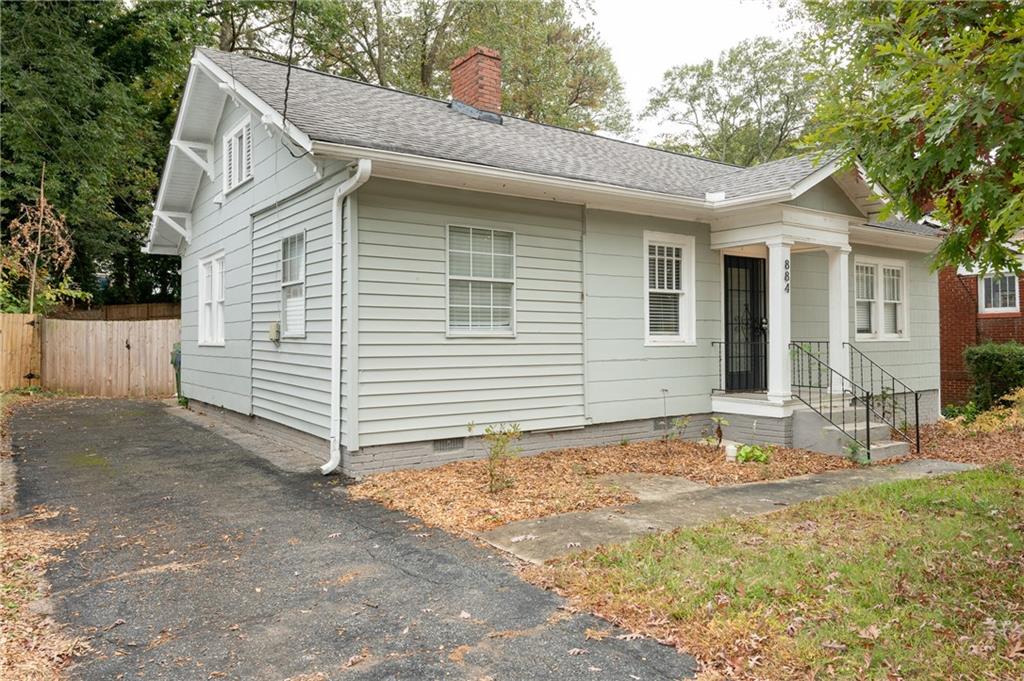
{"x": 357, "y": 179}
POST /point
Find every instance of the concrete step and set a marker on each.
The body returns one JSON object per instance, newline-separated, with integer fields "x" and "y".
{"x": 888, "y": 449}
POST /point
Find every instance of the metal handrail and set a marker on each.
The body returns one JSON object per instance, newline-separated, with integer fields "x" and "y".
{"x": 887, "y": 395}
{"x": 823, "y": 380}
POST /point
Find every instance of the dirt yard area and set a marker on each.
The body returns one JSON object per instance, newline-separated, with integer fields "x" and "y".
{"x": 455, "y": 496}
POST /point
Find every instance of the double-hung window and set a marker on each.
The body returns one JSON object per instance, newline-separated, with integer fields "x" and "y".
{"x": 668, "y": 289}
{"x": 481, "y": 281}
{"x": 238, "y": 155}
{"x": 998, "y": 293}
{"x": 293, "y": 286}
{"x": 880, "y": 291}
{"x": 211, "y": 300}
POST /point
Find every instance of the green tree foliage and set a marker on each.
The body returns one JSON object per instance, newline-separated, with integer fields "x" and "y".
{"x": 751, "y": 105}
{"x": 92, "y": 89}
{"x": 928, "y": 96}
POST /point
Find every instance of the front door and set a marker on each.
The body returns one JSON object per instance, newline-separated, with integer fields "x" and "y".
{"x": 746, "y": 324}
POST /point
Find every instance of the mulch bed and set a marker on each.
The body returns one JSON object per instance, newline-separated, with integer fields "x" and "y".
{"x": 946, "y": 441}
{"x": 455, "y": 498}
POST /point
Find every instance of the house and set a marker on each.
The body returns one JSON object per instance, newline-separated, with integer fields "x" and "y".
{"x": 975, "y": 308}
{"x": 378, "y": 270}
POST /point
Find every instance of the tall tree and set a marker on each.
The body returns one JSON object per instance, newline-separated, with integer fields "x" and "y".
{"x": 751, "y": 105}
{"x": 929, "y": 97}
{"x": 92, "y": 89}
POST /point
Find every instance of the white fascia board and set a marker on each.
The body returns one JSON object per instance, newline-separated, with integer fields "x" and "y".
{"x": 888, "y": 238}
{"x": 267, "y": 112}
{"x": 186, "y": 99}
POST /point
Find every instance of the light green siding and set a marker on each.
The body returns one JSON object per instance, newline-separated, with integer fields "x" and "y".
{"x": 223, "y": 375}
{"x": 291, "y": 379}
{"x": 626, "y": 379}
{"x": 416, "y": 382}
{"x": 914, "y": 360}
{"x": 826, "y": 196}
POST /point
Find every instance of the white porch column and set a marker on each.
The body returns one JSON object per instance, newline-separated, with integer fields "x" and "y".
{"x": 779, "y": 324}
{"x": 839, "y": 309}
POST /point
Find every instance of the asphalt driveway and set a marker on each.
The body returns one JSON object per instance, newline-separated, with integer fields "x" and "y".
{"x": 204, "y": 561}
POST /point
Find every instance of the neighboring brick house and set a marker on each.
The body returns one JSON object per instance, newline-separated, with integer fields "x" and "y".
{"x": 968, "y": 319}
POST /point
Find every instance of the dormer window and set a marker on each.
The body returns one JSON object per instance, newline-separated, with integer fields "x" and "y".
{"x": 238, "y": 155}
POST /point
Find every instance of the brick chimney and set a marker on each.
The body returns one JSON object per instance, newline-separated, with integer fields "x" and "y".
{"x": 476, "y": 79}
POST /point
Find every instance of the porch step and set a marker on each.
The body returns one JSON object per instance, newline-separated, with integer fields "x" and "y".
{"x": 888, "y": 449}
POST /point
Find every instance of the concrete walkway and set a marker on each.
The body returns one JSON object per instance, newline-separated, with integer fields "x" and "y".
{"x": 540, "y": 540}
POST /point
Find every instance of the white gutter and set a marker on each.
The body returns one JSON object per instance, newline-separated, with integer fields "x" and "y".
{"x": 362, "y": 173}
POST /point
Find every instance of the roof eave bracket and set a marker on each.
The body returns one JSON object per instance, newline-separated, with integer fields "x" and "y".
{"x": 192, "y": 151}
{"x": 179, "y": 222}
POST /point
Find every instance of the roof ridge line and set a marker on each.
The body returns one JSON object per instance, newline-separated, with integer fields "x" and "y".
{"x": 232, "y": 55}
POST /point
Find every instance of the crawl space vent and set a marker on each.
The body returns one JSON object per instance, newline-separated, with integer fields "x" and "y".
{"x": 452, "y": 444}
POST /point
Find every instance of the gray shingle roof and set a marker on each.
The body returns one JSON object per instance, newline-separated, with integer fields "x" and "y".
{"x": 900, "y": 225}
{"x": 333, "y": 109}
{"x": 766, "y": 177}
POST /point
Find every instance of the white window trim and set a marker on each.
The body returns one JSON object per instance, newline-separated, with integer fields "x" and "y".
{"x": 878, "y": 309}
{"x": 687, "y": 304}
{"x": 229, "y": 139}
{"x": 300, "y": 280}
{"x": 981, "y": 294}
{"x": 477, "y": 333}
{"x": 203, "y": 337}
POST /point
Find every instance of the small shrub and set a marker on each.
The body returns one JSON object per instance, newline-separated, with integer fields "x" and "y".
{"x": 856, "y": 453}
{"x": 997, "y": 369}
{"x": 966, "y": 413}
{"x": 719, "y": 421}
{"x": 501, "y": 441}
{"x": 623, "y": 442}
{"x": 753, "y": 454}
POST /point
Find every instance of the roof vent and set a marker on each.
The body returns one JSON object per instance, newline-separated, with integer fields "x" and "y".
{"x": 467, "y": 110}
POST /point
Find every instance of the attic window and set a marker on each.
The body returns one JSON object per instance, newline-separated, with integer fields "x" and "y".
{"x": 238, "y": 155}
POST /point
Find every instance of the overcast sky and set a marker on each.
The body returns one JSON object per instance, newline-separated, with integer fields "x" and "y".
{"x": 649, "y": 36}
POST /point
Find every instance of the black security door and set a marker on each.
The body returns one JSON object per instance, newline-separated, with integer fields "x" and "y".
{"x": 746, "y": 324}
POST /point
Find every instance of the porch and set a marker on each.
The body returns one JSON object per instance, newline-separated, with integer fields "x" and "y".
{"x": 821, "y": 393}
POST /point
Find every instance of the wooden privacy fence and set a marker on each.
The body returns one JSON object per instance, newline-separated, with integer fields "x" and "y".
{"x": 20, "y": 350}
{"x": 106, "y": 358}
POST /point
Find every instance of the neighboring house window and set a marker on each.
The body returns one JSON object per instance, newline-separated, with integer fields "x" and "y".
{"x": 668, "y": 293}
{"x": 293, "y": 286}
{"x": 238, "y": 155}
{"x": 998, "y": 293}
{"x": 211, "y": 300}
{"x": 481, "y": 281}
{"x": 880, "y": 290}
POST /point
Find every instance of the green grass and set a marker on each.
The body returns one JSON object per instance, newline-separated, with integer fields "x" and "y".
{"x": 919, "y": 578}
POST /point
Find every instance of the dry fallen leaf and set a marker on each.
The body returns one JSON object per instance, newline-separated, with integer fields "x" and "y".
{"x": 578, "y": 651}
{"x": 870, "y": 633}
{"x": 597, "y": 634}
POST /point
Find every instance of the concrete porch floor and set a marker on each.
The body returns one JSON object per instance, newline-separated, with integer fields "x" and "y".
{"x": 669, "y": 504}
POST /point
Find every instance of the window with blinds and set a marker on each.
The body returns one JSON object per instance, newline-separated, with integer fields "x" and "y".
{"x": 211, "y": 300}
{"x": 238, "y": 155}
{"x": 879, "y": 305}
{"x": 865, "y": 293}
{"x": 293, "y": 286}
{"x": 999, "y": 293}
{"x": 481, "y": 281}
{"x": 668, "y": 273}
{"x": 892, "y": 301}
